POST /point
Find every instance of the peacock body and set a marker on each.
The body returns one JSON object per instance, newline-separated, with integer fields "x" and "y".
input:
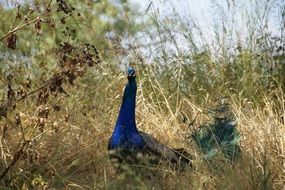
{"x": 128, "y": 145}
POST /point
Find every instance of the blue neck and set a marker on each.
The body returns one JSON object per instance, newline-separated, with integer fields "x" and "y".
{"x": 127, "y": 111}
{"x": 126, "y": 134}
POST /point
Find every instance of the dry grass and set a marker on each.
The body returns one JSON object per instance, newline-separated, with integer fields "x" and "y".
{"x": 71, "y": 151}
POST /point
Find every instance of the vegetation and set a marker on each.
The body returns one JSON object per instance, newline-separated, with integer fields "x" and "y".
{"x": 62, "y": 77}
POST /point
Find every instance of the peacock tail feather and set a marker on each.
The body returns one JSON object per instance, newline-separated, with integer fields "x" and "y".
{"x": 220, "y": 137}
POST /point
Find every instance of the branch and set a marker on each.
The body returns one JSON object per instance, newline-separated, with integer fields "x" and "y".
{"x": 20, "y": 25}
{"x": 15, "y": 159}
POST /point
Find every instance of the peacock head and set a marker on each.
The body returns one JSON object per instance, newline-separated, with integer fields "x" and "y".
{"x": 131, "y": 73}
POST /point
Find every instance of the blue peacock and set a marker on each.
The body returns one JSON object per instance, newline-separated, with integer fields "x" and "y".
{"x": 129, "y": 145}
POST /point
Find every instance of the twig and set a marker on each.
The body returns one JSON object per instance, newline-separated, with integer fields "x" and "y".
{"x": 33, "y": 91}
{"x": 17, "y": 28}
{"x": 15, "y": 159}
{"x": 21, "y": 25}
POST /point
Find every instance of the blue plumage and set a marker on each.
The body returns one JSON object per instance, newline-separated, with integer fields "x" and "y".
{"x": 126, "y": 134}
{"x": 126, "y": 141}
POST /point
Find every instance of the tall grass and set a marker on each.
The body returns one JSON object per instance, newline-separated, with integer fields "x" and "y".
{"x": 181, "y": 75}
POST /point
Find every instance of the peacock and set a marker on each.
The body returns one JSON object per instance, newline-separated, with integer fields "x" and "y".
{"x": 219, "y": 137}
{"x": 133, "y": 147}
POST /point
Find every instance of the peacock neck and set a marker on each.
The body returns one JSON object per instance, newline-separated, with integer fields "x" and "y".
{"x": 126, "y": 134}
{"x": 126, "y": 120}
